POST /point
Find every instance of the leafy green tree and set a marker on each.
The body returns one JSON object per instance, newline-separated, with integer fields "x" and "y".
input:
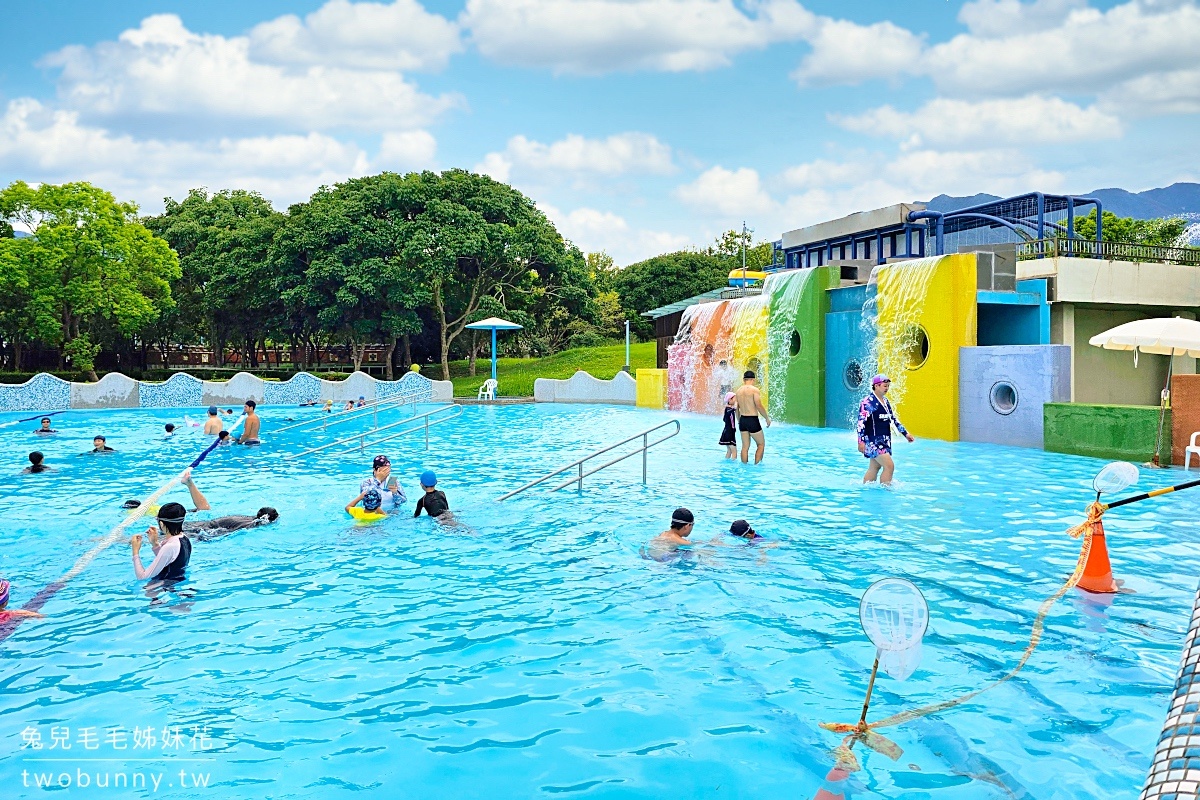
{"x": 728, "y": 248}
{"x": 467, "y": 237}
{"x": 666, "y": 279}
{"x": 1164, "y": 232}
{"x": 27, "y": 304}
{"x": 99, "y": 268}
{"x": 342, "y": 245}
{"x": 228, "y": 290}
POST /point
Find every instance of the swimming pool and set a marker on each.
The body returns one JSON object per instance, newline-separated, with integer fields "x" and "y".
{"x": 539, "y": 655}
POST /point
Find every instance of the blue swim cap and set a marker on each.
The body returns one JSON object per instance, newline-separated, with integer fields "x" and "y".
{"x": 371, "y": 500}
{"x": 428, "y": 479}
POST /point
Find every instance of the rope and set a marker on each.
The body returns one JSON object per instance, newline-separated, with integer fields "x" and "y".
{"x": 38, "y": 600}
{"x": 865, "y": 731}
{"x": 31, "y": 419}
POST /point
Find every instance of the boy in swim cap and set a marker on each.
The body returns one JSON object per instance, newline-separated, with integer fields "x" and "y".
{"x": 45, "y": 426}
{"x": 100, "y": 445}
{"x": 682, "y": 524}
{"x": 5, "y": 613}
{"x": 433, "y": 502}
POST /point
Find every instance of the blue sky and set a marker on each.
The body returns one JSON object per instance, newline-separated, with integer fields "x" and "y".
{"x": 639, "y": 126}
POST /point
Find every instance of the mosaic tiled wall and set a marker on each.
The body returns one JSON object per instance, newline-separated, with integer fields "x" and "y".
{"x": 45, "y": 392}
{"x": 1175, "y": 773}
{"x": 40, "y": 393}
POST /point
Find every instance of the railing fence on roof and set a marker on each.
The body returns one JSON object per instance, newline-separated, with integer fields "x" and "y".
{"x": 1112, "y": 251}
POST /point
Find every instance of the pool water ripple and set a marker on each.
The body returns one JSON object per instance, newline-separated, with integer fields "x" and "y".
{"x": 535, "y": 652}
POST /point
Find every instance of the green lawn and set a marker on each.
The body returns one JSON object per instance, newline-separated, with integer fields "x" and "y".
{"x": 516, "y": 375}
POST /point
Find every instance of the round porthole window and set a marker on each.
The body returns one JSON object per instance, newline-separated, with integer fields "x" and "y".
{"x": 852, "y": 375}
{"x": 1004, "y": 398}
{"x": 796, "y": 344}
{"x": 916, "y": 347}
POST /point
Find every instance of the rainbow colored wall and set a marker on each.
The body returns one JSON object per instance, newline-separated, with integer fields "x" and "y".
{"x": 910, "y": 325}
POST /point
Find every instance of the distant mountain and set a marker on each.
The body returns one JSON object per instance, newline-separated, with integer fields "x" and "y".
{"x": 20, "y": 234}
{"x": 1174, "y": 200}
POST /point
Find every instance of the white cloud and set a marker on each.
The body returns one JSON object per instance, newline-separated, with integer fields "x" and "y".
{"x": 1016, "y": 49}
{"x": 161, "y": 71}
{"x": 593, "y": 230}
{"x": 1175, "y": 92}
{"x": 38, "y": 144}
{"x": 845, "y": 52}
{"x": 1089, "y": 50}
{"x": 574, "y": 155}
{"x": 596, "y": 36}
{"x": 880, "y": 179}
{"x": 995, "y": 18}
{"x": 406, "y": 150}
{"x": 730, "y": 193}
{"x": 1026, "y": 120}
{"x": 400, "y": 35}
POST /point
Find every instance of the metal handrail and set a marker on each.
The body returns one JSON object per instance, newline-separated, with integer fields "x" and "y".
{"x": 388, "y": 402}
{"x": 646, "y": 445}
{"x": 1113, "y": 251}
{"x": 361, "y": 437}
{"x": 458, "y": 411}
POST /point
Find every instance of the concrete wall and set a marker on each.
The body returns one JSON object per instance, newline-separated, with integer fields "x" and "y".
{"x": 1185, "y": 414}
{"x": 1112, "y": 432}
{"x": 1020, "y": 317}
{"x": 45, "y": 392}
{"x": 1110, "y": 376}
{"x": 583, "y": 388}
{"x": 1028, "y": 377}
{"x": 846, "y": 343}
{"x": 1093, "y": 280}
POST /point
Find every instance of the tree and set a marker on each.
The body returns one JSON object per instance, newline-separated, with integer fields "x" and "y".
{"x": 1164, "y": 232}
{"x": 102, "y": 269}
{"x": 667, "y": 279}
{"x": 467, "y": 237}
{"x": 343, "y": 245}
{"x": 728, "y": 247}
{"x": 228, "y": 290}
{"x": 27, "y": 304}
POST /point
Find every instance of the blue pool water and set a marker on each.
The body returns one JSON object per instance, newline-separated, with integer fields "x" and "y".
{"x": 538, "y": 655}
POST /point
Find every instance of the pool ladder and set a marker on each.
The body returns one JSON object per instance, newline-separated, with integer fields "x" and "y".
{"x": 428, "y": 418}
{"x": 579, "y": 465}
{"x": 328, "y": 420}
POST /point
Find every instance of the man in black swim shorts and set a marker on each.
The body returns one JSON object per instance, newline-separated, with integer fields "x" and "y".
{"x": 750, "y": 408}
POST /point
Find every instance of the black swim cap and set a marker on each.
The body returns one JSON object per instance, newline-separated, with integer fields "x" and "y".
{"x": 741, "y": 527}
{"x": 172, "y": 512}
{"x": 748, "y": 375}
{"x": 131, "y": 504}
{"x": 268, "y": 512}
{"x": 681, "y": 517}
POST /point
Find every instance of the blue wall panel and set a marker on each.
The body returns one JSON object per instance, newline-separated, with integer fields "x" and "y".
{"x": 845, "y": 342}
{"x": 1002, "y": 390}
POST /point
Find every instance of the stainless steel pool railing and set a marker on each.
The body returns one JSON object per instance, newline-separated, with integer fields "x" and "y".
{"x": 427, "y": 418}
{"x": 328, "y": 421}
{"x": 578, "y": 465}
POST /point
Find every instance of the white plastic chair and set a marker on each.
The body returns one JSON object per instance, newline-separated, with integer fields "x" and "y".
{"x": 488, "y": 390}
{"x": 1189, "y": 451}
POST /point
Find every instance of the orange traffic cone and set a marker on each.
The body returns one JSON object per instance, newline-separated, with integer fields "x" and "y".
{"x": 1097, "y": 572}
{"x": 834, "y": 788}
